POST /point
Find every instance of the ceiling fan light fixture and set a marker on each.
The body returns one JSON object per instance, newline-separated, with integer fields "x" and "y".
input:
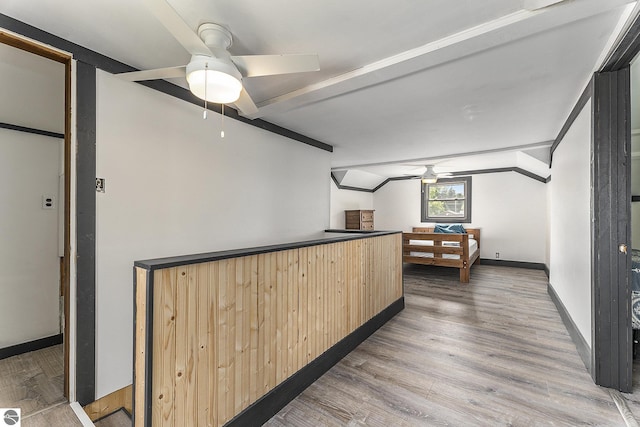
{"x": 429, "y": 176}
{"x": 223, "y": 80}
{"x": 429, "y": 179}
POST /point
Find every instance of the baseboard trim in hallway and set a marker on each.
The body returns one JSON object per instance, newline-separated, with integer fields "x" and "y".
{"x": 27, "y": 347}
{"x": 584, "y": 350}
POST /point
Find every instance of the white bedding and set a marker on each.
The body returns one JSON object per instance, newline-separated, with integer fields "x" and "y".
{"x": 473, "y": 245}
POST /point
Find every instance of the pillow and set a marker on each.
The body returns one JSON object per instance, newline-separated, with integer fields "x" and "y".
{"x": 449, "y": 228}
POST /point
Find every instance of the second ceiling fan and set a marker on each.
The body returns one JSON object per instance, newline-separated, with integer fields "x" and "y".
{"x": 213, "y": 74}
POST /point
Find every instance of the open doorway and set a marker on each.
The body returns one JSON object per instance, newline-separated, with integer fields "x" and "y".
{"x": 35, "y": 219}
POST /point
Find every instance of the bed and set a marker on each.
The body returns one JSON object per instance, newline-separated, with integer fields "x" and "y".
{"x": 457, "y": 250}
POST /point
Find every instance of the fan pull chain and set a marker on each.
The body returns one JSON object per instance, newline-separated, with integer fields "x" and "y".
{"x": 204, "y": 113}
{"x": 222, "y": 122}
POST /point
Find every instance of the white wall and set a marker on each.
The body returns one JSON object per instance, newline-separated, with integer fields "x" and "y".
{"x": 29, "y": 263}
{"x": 509, "y": 208}
{"x": 32, "y": 96}
{"x": 570, "y": 237}
{"x": 173, "y": 187}
{"x": 32, "y": 90}
{"x": 342, "y": 200}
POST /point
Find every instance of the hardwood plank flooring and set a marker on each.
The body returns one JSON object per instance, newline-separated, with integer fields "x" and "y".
{"x": 32, "y": 381}
{"x": 117, "y": 419}
{"x": 491, "y": 352}
{"x": 59, "y": 415}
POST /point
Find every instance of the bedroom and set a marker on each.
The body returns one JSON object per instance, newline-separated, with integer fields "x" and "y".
{"x": 250, "y": 174}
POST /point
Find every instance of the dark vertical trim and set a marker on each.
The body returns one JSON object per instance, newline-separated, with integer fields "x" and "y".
{"x": 611, "y": 212}
{"x": 86, "y": 229}
{"x": 582, "y": 101}
{"x": 67, "y": 224}
{"x": 148, "y": 373}
{"x": 578, "y": 339}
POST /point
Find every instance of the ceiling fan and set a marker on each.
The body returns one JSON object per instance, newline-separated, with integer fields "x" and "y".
{"x": 213, "y": 74}
{"x": 429, "y": 176}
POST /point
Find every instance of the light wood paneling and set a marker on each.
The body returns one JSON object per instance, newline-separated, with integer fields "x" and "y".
{"x": 227, "y": 332}
{"x": 109, "y": 404}
{"x": 139, "y": 355}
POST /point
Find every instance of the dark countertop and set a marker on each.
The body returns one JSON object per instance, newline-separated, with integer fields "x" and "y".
{"x": 331, "y": 236}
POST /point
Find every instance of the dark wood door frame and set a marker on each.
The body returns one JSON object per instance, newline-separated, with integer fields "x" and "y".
{"x": 28, "y": 46}
{"x": 612, "y": 344}
{"x": 85, "y": 109}
{"x": 611, "y": 353}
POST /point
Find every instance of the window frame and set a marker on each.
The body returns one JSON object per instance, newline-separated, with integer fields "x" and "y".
{"x": 424, "y": 196}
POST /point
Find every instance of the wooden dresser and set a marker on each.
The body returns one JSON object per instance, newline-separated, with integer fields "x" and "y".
{"x": 358, "y": 219}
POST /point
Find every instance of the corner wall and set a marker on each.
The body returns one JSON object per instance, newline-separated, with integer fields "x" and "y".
{"x": 342, "y": 200}
{"x": 570, "y": 219}
{"x": 174, "y": 187}
{"x": 29, "y": 258}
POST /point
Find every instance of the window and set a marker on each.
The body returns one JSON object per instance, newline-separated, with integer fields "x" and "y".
{"x": 448, "y": 200}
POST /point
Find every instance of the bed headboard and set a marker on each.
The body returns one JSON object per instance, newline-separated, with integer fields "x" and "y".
{"x": 473, "y": 233}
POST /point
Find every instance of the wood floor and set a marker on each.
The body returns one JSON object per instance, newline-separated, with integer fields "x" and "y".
{"x": 117, "y": 419}
{"x": 32, "y": 381}
{"x": 493, "y": 352}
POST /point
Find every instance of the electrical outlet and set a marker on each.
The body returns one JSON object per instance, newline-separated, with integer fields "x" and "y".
{"x": 48, "y": 202}
{"x": 100, "y": 183}
{"x": 497, "y": 255}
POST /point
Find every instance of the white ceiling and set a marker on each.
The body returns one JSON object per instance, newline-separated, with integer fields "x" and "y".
{"x": 401, "y": 82}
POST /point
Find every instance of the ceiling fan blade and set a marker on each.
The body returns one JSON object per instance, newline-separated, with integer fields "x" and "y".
{"x": 267, "y": 65}
{"x": 177, "y": 27}
{"x": 155, "y": 74}
{"x": 245, "y": 104}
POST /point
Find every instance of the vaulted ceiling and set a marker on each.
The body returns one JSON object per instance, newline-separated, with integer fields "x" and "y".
{"x": 402, "y": 83}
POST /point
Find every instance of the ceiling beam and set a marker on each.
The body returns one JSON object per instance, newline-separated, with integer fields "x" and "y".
{"x": 494, "y": 33}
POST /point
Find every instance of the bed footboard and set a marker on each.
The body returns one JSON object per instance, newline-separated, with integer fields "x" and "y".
{"x": 423, "y": 246}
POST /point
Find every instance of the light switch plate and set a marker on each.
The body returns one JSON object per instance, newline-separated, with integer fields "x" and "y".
{"x": 100, "y": 183}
